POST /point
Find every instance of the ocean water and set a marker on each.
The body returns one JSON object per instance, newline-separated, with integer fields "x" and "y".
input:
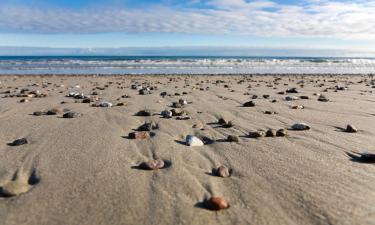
{"x": 183, "y": 65}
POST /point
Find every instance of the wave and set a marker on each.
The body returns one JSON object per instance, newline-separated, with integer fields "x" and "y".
{"x": 188, "y": 65}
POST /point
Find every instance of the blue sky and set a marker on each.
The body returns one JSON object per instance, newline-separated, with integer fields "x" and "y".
{"x": 310, "y": 24}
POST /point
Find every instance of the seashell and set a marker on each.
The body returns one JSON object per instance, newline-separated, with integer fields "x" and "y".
{"x": 301, "y": 126}
{"x": 193, "y": 141}
{"x": 217, "y": 203}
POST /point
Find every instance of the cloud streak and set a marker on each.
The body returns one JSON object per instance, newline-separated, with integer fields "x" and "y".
{"x": 313, "y": 18}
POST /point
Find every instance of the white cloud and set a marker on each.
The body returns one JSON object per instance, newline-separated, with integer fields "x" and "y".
{"x": 313, "y": 18}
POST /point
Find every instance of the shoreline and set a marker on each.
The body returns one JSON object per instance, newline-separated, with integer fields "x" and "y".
{"x": 188, "y": 75}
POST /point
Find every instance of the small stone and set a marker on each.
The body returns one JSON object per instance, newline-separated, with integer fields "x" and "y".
{"x": 193, "y": 141}
{"x": 182, "y": 102}
{"x": 24, "y": 100}
{"x": 269, "y": 112}
{"x": 291, "y": 98}
{"x": 71, "y": 114}
{"x": 178, "y": 112}
{"x": 145, "y": 91}
{"x": 183, "y": 118}
{"x": 227, "y": 125}
{"x": 106, "y": 104}
{"x": 257, "y": 134}
{"x": 301, "y": 126}
{"x": 271, "y": 133}
{"x": 323, "y": 98}
{"x": 233, "y": 138}
{"x": 121, "y": 104}
{"x": 198, "y": 126}
{"x": 144, "y": 113}
{"x": 282, "y": 133}
{"x": 148, "y": 126}
{"x": 176, "y": 105}
{"x": 86, "y": 100}
{"x": 21, "y": 141}
{"x": 351, "y": 129}
{"x": 217, "y": 203}
{"x": 53, "y": 111}
{"x": 166, "y": 114}
{"x": 222, "y": 121}
{"x": 222, "y": 171}
{"x": 154, "y": 164}
{"x": 298, "y": 107}
{"x": 37, "y": 113}
{"x": 292, "y": 90}
{"x": 139, "y": 135}
{"x": 249, "y": 104}
{"x": 266, "y": 96}
{"x": 304, "y": 97}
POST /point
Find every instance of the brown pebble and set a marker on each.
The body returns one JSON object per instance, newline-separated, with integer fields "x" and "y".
{"x": 139, "y": 135}
{"x": 217, "y": 203}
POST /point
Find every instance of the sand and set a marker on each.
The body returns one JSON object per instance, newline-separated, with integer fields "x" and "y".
{"x": 83, "y": 170}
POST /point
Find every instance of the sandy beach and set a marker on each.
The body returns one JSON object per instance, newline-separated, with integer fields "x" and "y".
{"x": 86, "y": 167}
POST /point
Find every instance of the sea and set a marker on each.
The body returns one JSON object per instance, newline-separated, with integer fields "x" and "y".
{"x": 107, "y": 65}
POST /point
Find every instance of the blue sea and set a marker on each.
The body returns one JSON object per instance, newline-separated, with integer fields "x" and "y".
{"x": 183, "y": 65}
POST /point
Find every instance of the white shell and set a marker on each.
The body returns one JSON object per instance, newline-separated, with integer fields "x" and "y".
{"x": 193, "y": 141}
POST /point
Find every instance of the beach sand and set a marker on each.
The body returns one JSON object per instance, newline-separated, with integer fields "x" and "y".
{"x": 84, "y": 170}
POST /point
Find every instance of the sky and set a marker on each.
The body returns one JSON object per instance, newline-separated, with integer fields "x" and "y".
{"x": 269, "y": 24}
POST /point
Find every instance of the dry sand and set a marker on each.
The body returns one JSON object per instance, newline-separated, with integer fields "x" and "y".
{"x": 81, "y": 170}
